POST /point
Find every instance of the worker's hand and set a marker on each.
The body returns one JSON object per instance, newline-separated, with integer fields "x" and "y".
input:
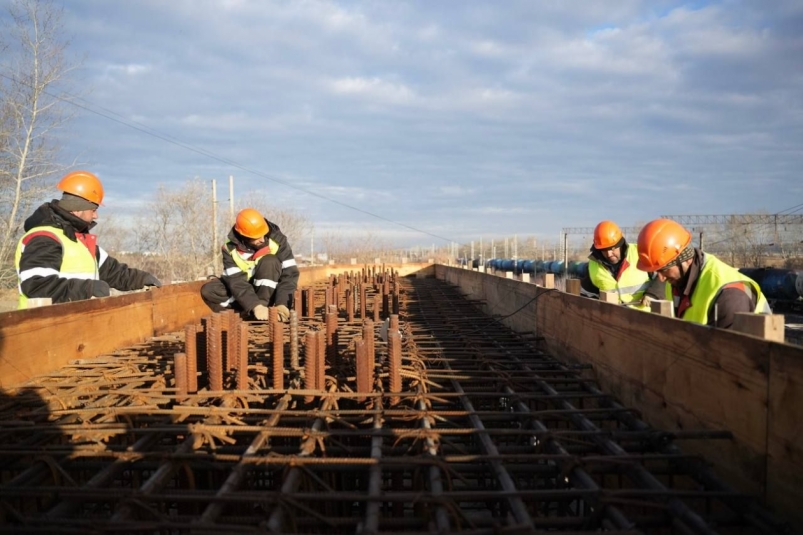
{"x": 260, "y": 312}
{"x": 150, "y": 280}
{"x": 100, "y": 289}
{"x": 645, "y": 301}
{"x": 283, "y": 312}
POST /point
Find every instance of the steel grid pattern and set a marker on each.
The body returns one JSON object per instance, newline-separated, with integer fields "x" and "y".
{"x": 477, "y": 431}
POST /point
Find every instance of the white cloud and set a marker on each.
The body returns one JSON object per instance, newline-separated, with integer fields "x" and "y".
{"x": 374, "y": 89}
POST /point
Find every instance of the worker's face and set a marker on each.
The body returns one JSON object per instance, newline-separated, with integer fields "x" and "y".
{"x": 86, "y": 215}
{"x": 614, "y": 254}
{"x": 673, "y": 274}
{"x": 257, "y": 242}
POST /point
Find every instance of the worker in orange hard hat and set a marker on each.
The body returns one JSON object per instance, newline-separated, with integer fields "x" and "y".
{"x": 612, "y": 268}
{"x": 59, "y": 258}
{"x": 259, "y": 269}
{"x": 704, "y": 289}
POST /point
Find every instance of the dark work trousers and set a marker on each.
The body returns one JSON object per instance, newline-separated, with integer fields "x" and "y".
{"x": 218, "y": 297}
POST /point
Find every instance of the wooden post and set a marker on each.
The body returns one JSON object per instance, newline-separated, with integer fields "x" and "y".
{"x": 766, "y": 326}
{"x": 525, "y": 277}
{"x": 508, "y": 274}
{"x": 573, "y": 286}
{"x": 609, "y": 297}
{"x": 549, "y": 280}
{"x": 662, "y": 307}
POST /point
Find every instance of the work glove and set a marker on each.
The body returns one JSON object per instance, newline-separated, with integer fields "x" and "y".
{"x": 100, "y": 289}
{"x": 283, "y": 312}
{"x": 260, "y": 312}
{"x": 150, "y": 280}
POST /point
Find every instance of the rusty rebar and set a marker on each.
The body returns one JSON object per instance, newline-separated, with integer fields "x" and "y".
{"x": 278, "y": 355}
{"x": 180, "y": 371}
{"x": 394, "y": 365}
{"x": 242, "y": 356}
{"x": 293, "y": 340}
{"x": 310, "y": 363}
{"x": 214, "y": 352}
{"x": 363, "y": 367}
{"x": 191, "y": 350}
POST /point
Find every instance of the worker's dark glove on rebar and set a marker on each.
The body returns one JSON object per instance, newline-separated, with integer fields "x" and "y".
{"x": 100, "y": 289}
{"x": 283, "y": 312}
{"x": 150, "y": 280}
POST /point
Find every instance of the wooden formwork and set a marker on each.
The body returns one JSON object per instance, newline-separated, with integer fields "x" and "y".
{"x": 43, "y": 339}
{"x": 680, "y": 375}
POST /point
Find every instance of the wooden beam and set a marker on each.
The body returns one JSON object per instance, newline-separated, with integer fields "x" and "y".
{"x": 662, "y": 307}
{"x": 609, "y": 297}
{"x": 573, "y": 286}
{"x": 766, "y": 326}
{"x": 549, "y": 280}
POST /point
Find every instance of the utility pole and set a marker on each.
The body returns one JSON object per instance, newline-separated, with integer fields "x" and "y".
{"x": 701, "y": 240}
{"x": 231, "y": 197}
{"x": 214, "y": 227}
{"x": 565, "y": 252}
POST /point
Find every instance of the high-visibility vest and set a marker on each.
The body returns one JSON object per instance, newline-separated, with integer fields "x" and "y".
{"x": 714, "y": 277}
{"x": 77, "y": 260}
{"x": 630, "y": 283}
{"x": 247, "y": 262}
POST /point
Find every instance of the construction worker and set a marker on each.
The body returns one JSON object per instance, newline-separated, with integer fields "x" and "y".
{"x": 704, "y": 289}
{"x": 258, "y": 269}
{"x": 612, "y": 268}
{"x": 58, "y": 258}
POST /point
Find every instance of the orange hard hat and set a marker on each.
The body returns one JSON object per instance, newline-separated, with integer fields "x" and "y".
{"x": 82, "y": 184}
{"x": 606, "y": 235}
{"x": 660, "y": 242}
{"x": 251, "y": 224}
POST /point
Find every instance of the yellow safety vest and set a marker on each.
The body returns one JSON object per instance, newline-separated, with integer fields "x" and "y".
{"x": 631, "y": 282}
{"x": 77, "y": 262}
{"x": 249, "y": 264}
{"x": 714, "y": 276}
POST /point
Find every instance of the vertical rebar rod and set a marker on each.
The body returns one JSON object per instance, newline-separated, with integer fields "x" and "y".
{"x": 180, "y": 370}
{"x": 191, "y": 350}
{"x": 278, "y": 355}
{"x": 294, "y": 340}
{"x": 310, "y": 363}
{"x": 394, "y": 365}
{"x": 214, "y": 353}
{"x": 242, "y": 356}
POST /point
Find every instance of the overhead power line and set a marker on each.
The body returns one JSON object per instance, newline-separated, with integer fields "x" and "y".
{"x": 110, "y": 115}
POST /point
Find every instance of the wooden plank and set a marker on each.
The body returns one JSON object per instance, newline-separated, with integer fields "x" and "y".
{"x": 785, "y": 434}
{"x": 681, "y": 376}
{"x": 177, "y": 305}
{"x": 766, "y": 326}
{"x": 573, "y": 286}
{"x": 662, "y": 307}
{"x": 39, "y": 340}
{"x": 609, "y": 297}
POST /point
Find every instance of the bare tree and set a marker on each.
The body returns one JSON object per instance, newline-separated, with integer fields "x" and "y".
{"x": 31, "y": 107}
{"x": 175, "y": 238}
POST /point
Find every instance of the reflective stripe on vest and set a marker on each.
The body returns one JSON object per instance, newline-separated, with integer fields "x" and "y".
{"x": 630, "y": 284}
{"x": 77, "y": 262}
{"x": 246, "y": 260}
{"x": 714, "y": 276}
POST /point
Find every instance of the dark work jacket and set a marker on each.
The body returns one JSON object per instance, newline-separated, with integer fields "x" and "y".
{"x": 238, "y": 284}
{"x": 45, "y": 252}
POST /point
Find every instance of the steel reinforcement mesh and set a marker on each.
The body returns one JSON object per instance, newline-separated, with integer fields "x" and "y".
{"x": 433, "y": 419}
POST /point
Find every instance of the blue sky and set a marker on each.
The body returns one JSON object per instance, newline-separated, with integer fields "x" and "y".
{"x": 459, "y": 118}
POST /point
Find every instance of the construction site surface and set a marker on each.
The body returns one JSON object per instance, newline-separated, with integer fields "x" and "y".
{"x": 410, "y": 398}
